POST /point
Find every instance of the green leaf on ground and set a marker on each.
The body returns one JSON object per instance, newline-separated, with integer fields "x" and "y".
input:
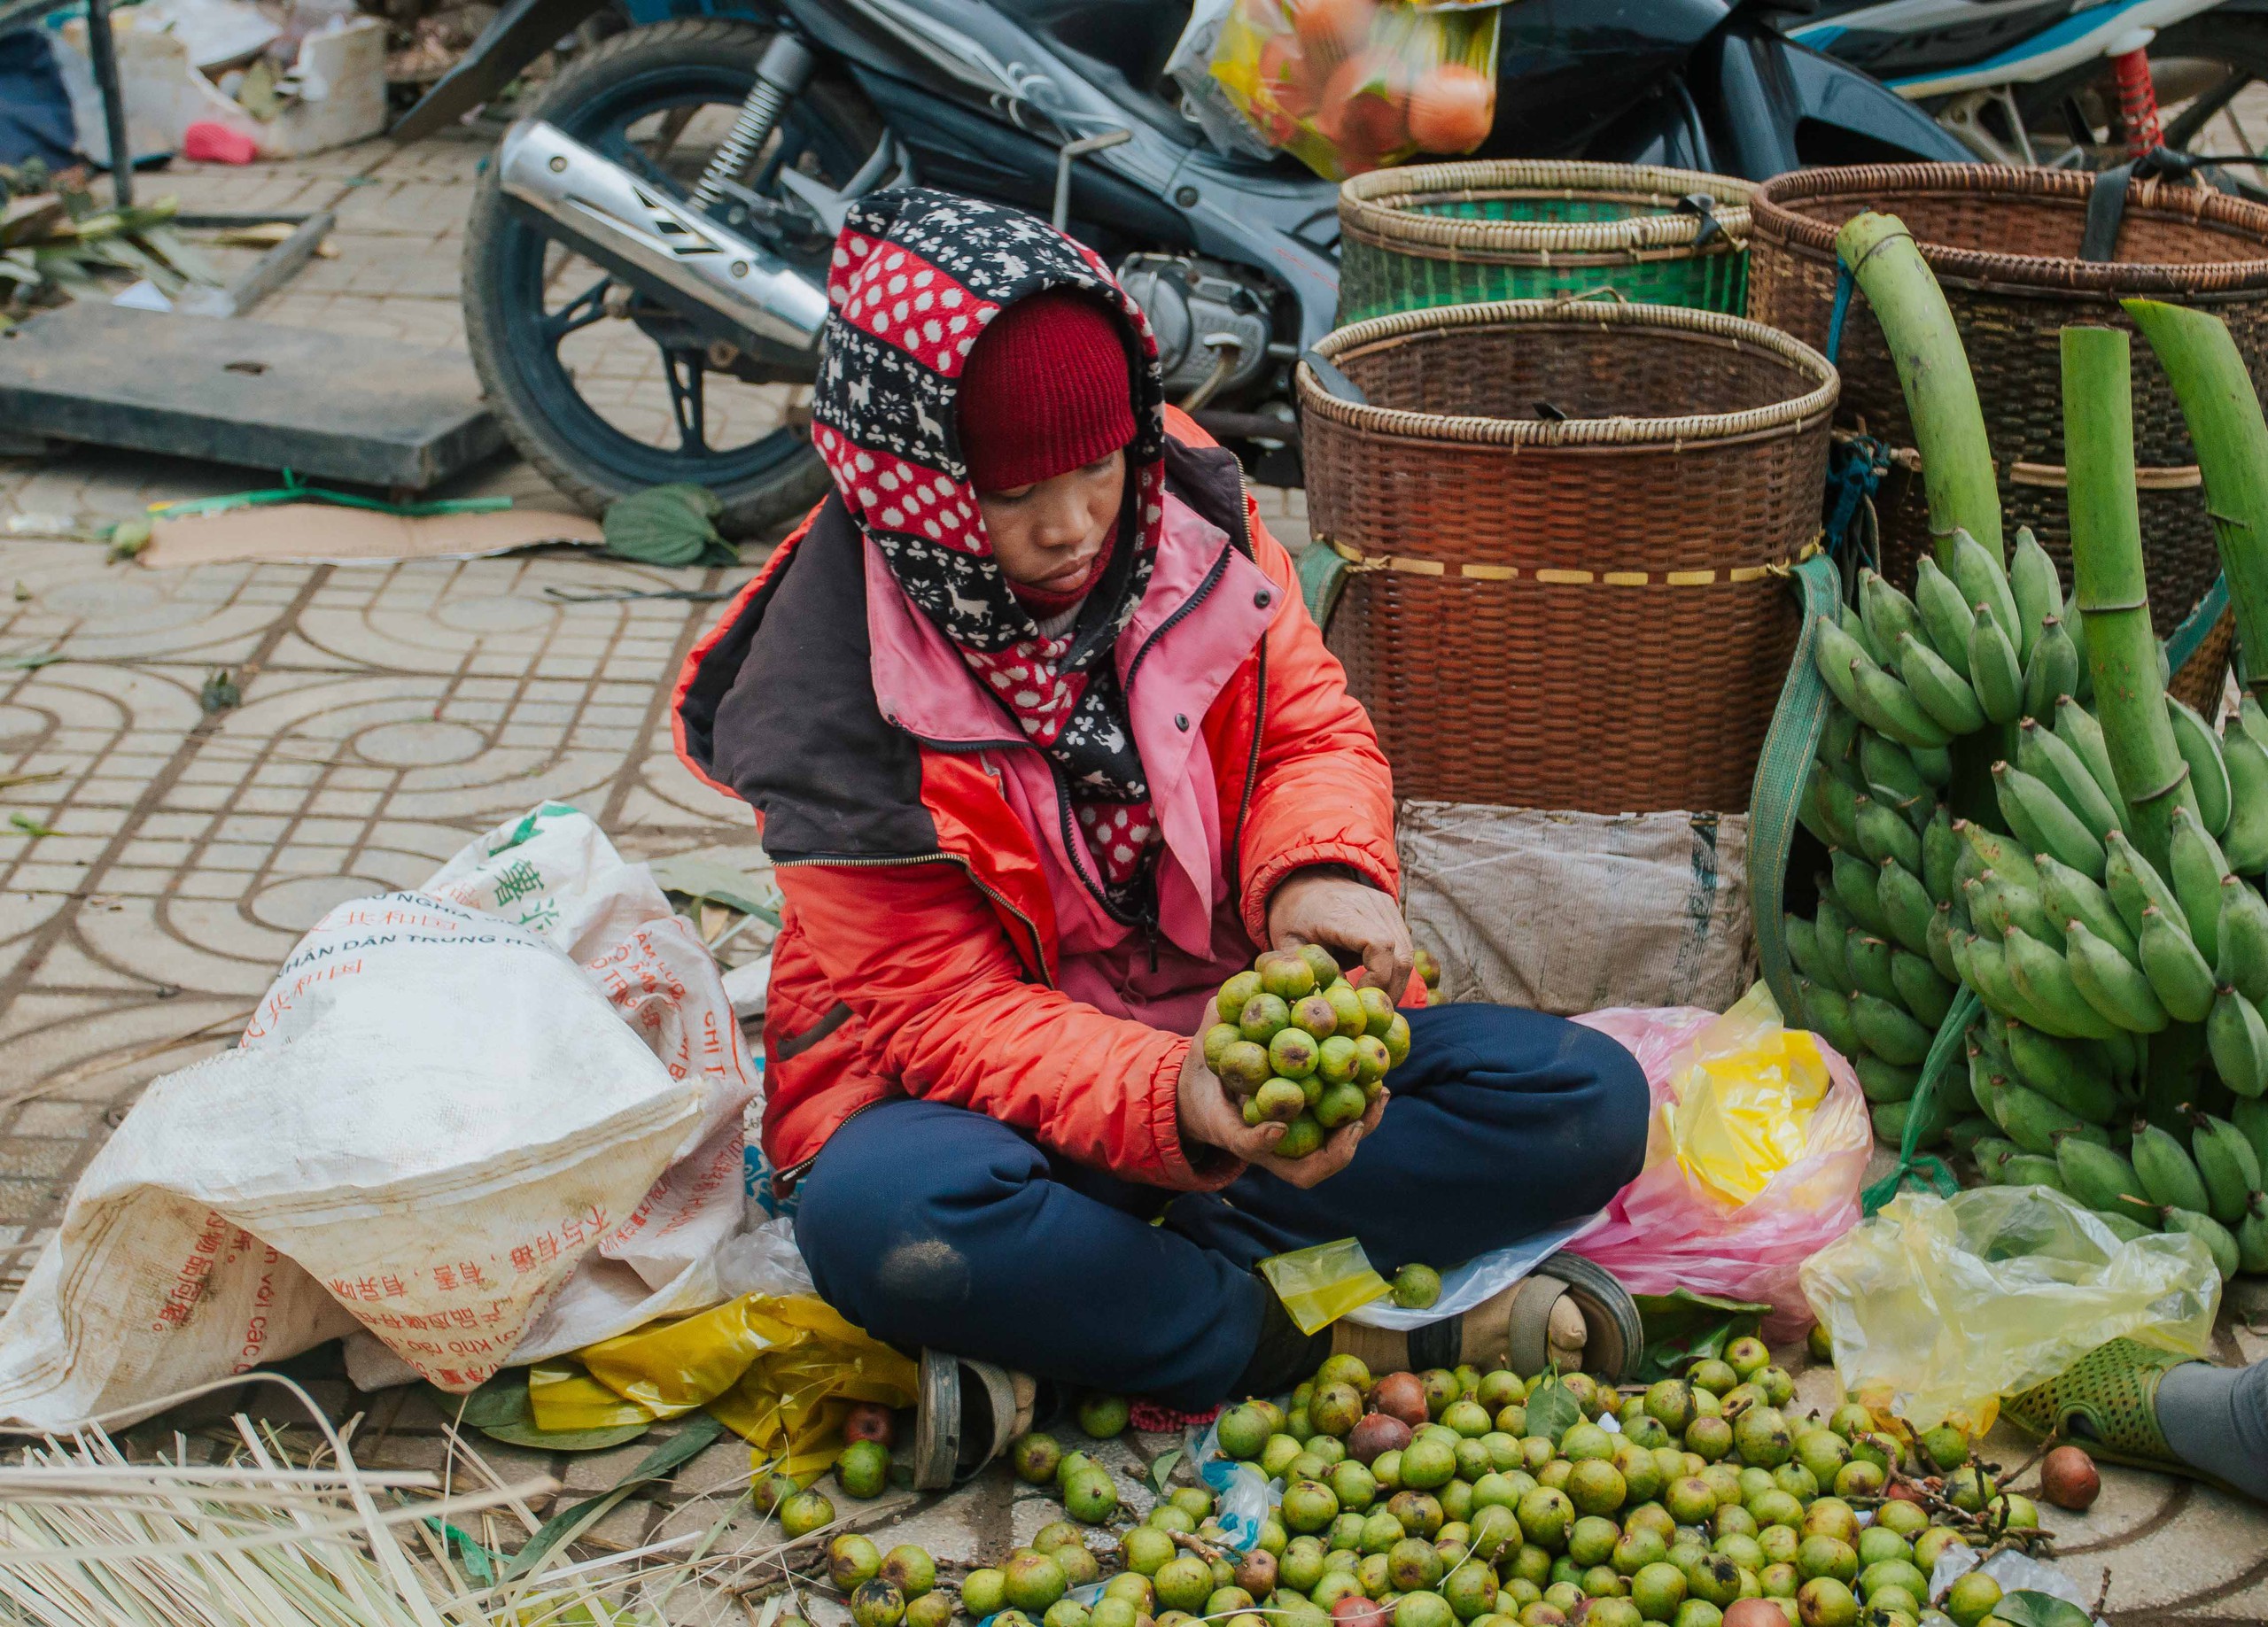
{"x": 1552, "y": 1410}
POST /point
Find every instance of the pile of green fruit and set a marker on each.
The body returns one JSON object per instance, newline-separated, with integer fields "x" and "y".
{"x": 1977, "y": 836}
{"x": 1298, "y": 1045}
{"x": 1447, "y": 1497}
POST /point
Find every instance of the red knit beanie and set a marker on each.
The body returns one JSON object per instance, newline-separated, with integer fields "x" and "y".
{"x": 1045, "y": 391}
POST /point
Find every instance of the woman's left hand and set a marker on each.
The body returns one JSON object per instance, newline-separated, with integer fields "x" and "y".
{"x": 1318, "y": 906}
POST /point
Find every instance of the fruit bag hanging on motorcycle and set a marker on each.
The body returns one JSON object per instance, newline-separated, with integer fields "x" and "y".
{"x": 1348, "y": 86}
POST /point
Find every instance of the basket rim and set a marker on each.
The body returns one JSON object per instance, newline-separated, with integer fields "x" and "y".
{"x": 1771, "y": 219}
{"x": 1682, "y": 432}
{"x": 1372, "y": 206}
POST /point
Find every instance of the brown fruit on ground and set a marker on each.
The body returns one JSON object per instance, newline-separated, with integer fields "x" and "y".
{"x": 1378, "y": 1432}
{"x": 2067, "y": 1478}
{"x": 1403, "y": 1396}
{"x": 870, "y": 1421}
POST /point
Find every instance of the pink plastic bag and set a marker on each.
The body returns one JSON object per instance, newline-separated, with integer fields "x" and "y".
{"x": 1667, "y": 1229}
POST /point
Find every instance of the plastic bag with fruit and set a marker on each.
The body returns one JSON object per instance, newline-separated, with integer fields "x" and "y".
{"x": 1348, "y": 86}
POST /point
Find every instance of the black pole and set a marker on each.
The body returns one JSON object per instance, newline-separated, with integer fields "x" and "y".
{"x": 102, "y": 51}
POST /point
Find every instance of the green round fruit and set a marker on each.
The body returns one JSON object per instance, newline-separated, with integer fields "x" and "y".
{"x": 1109, "y": 1612}
{"x": 1244, "y": 1068}
{"x": 1218, "y": 1038}
{"x": 1378, "y": 1009}
{"x": 1545, "y": 1515}
{"x": 910, "y": 1570}
{"x": 1690, "y": 1500}
{"x": 805, "y": 1512}
{"x": 1747, "y": 1357}
{"x": 1285, "y": 974}
{"x": 1243, "y": 1432}
{"x": 1427, "y": 1462}
{"x": 1878, "y": 1543}
{"x": 1827, "y": 1556}
{"x": 1469, "y": 1419}
{"x": 1658, "y": 1590}
{"x": 1354, "y": 1485}
{"x": 1822, "y": 1451}
{"x": 1908, "y": 1520}
{"x": 1670, "y": 1401}
{"x": 1321, "y": 963}
{"x": 984, "y": 1593}
{"x": 1263, "y": 1017}
{"x": 1103, "y": 1417}
{"x": 1825, "y": 1602}
{"x": 1312, "y": 1016}
{"x": 1612, "y": 1612}
{"x": 1423, "y": 1609}
{"x": 1167, "y": 1517}
{"x": 1066, "y": 1612}
{"x": 1371, "y": 1059}
{"x": 2014, "y": 1511}
{"x": 877, "y": 1604}
{"x": 1090, "y": 1495}
{"x": 1971, "y": 1599}
{"x": 1713, "y": 1376}
{"x": 1235, "y": 995}
{"x": 1184, "y": 1583}
{"x": 1294, "y": 1053}
{"x": 1471, "y": 1591}
{"x": 1035, "y": 1581}
{"x": 1831, "y": 1516}
{"x": 1144, "y": 1549}
{"x": 1308, "y": 1506}
{"x": 1223, "y": 1602}
{"x": 1417, "y": 1287}
{"x": 1775, "y": 1508}
{"x": 1301, "y": 1137}
{"x": 1335, "y": 1061}
{"x": 1596, "y": 1487}
{"x": 932, "y": 1609}
{"x": 1698, "y": 1612}
{"x": 1421, "y": 1512}
{"x": 1341, "y": 1103}
{"x": 863, "y": 1470}
{"x": 1892, "y": 1573}
{"x": 1859, "y": 1478}
{"x": 853, "y": 1559}
{"x": 1713, "y": 1576}
{"x": 1036, "y": 1458}
{"x": 1762, "y": 1438}
{"x": 1412, "y": 1564}
{"x": 1711, "y": 1438}
{"x": 1397, "y": 1040}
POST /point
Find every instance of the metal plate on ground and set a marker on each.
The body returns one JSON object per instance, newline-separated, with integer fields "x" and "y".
{"x": 327, "y": 406}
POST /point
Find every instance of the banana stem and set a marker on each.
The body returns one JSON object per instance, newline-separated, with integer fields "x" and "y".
{"x": 2108, "y": 582}
{"x": 2210, "y": 381}
{"x": 1933, "y": 370}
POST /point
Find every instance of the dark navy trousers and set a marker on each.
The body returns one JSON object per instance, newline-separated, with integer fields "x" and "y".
{"x": 934, "y": 1226}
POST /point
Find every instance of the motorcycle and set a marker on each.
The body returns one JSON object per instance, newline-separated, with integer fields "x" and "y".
{"x": 646, "y": 259}
{"x": 2064, "y": 84}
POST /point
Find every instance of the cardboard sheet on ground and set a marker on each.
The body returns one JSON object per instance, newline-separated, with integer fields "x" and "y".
{"x": 495, "y": 1118}
{"x": 781, "y": 1372}
{"x": 326, "y": 534}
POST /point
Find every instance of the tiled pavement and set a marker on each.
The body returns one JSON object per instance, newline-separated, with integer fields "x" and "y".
{"x": 390, "y": 712}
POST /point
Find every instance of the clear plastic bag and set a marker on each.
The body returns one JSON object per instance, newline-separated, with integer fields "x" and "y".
{"x": 1348, "y": 86}
{"x": 1319, "y": 1285}
{"x": 1940, "y": 1304}
{"x": 1758, "y": 1150}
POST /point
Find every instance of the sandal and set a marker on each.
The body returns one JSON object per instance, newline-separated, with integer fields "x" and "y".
{"x": 2107, "y": 1402}
{"x": 1568, "y": 1313}
{"x": 966, "y": 1414}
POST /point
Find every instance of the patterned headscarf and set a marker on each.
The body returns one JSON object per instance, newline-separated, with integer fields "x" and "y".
{"x": 916, "y": 276}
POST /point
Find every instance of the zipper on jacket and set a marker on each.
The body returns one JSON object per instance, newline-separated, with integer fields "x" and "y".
{"x": 1259, "y": 711}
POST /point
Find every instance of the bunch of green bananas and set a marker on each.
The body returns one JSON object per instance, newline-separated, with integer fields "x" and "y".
{"x": 1975, "y": 831}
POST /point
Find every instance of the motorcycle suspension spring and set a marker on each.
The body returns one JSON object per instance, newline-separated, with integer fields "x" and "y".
{"x": 785, "y": 69}
{"x": 2138, "y": 102}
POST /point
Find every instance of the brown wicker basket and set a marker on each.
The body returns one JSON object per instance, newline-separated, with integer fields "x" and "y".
{"x": 2003, "y": 243}
{"x": 1582, "y": 612}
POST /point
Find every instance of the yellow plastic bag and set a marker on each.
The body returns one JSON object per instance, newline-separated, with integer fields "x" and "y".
{"x": 1940, "y": 1304}
{"x": 1319, "y": 1285}
{"x": 1346, "y": 86}
{"x": 780, "y": 1372}
{"x": 1743, "y": 1110}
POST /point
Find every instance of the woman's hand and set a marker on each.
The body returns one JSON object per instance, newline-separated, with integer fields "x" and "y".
{"x": 1321, "y": 906}
{"x": 1210, "y": 1115}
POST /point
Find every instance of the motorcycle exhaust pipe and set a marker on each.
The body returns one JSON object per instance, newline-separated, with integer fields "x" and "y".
{"x": 636, "y": 231}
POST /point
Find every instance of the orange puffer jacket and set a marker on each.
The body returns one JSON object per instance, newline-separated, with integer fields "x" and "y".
{"x": 922, "y": 950}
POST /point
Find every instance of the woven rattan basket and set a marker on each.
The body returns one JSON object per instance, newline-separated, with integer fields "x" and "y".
{"x": 1460, "y": 234}
{"x": 1582, "y": 612}
{"x": 2003, "y": 243}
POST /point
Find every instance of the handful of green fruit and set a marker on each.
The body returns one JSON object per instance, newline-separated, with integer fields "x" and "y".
{"x": 1298, "y": 1045}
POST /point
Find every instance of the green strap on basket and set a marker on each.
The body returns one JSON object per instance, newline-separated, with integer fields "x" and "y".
{"x": 1322, "y": 578}
{"x": 1781, "y": 772}
{"x": 1914, "y": 1166}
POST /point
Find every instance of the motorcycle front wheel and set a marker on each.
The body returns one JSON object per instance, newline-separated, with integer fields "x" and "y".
{"x": 605, "y": 391}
